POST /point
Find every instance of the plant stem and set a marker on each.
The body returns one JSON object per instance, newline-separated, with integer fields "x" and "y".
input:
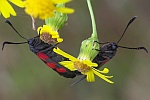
{"x": 94, "y": 34}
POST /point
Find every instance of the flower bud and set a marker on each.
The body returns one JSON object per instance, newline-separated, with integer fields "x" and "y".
{"x": 59, "y": 19}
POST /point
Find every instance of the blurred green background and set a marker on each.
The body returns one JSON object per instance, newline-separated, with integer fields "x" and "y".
{"x": 25, "y": 77}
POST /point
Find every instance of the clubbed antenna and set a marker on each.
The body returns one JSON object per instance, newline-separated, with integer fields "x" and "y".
{"x": 138, "y": 48}
{"x": 12, "y": 43}
{"x": 9, "y": 23}
{"x": 129, "y": 23}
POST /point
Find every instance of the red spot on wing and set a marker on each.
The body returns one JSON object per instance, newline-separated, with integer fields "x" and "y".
{"x": 51, "y": 65}
{"x": 61, "y": 70}
{"x": 105, "y": 61}
{"x": 42, "y": 56}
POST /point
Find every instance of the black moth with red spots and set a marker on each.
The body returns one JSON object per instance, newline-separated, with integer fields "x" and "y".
{"x": 45, "y": 52}
{"x": 108, "y": 50}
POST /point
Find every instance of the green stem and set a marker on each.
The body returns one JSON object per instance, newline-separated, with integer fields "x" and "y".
{"x": 94, "y": 34}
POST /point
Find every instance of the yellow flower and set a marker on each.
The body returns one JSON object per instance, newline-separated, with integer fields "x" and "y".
{"x": 86, "y": 67}
{"x": 45, "y": 8}
{"x": 6, "y": 9}
{"x": 48, "y": 35}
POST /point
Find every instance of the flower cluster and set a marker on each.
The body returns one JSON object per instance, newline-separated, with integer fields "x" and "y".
{"x": 36, "y": 8}
{"x": 46, "y": 8}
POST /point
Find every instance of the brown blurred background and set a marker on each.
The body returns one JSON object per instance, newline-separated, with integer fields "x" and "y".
{"x": 25, "y": 77}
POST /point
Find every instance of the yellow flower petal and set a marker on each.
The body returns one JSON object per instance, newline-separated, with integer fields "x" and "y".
{"x": 59, "y": 39}
{"x": 39, "y": 29}
{"x": 102, "y": 76}
{"x": 65, "y": 10}
{"x": 60, "y": 1}
{"x": 68, "y": 64}
{"x": 6, "y": 9}
{"x": 60, "y": 52}
{"x": 90, "y": 76}
{"x": 18, "y": 3}
{"x": 89, "y": 63}
{"x": 108, "y": 76}
{"x": 104, "y": 71}
{"x": 54, "y": 35}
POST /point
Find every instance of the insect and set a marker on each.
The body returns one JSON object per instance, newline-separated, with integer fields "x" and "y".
{"x": 45, "y": 52}
{"x": 108, "y": 50}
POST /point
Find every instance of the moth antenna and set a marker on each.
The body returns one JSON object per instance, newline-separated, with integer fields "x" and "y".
{"x": 129, "y": 23}
{"x": 137, "y": 48}
{"x": 9, "y": 23}
{"x": 12, "y": 43}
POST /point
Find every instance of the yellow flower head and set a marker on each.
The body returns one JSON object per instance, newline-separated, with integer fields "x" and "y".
{"x": 86, "y": 67}
{"x": 6, "y": 9}
{"x": 48, "y": 35}
{"x": 45, "y": 8}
